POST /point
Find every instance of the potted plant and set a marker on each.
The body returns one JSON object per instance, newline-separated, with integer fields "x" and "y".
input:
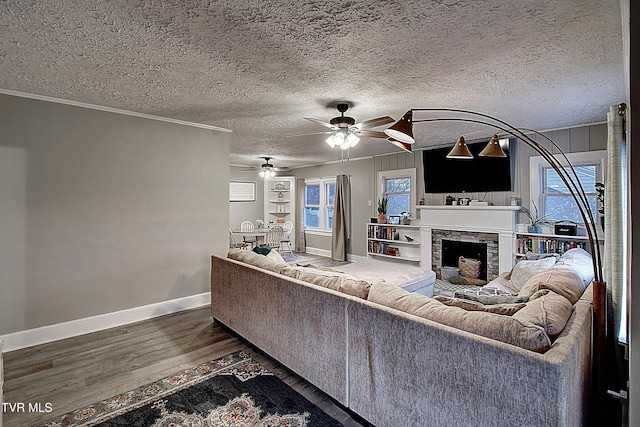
{"x": 535, "y": 220}
{"x": 382, "y": 210}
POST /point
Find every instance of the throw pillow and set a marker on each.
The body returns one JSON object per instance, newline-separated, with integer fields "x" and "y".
{"x": 531, "y": 256}
{"x": 275, "y": 255}
{"x": 525, "y": 269}
{"x": 560, "y": 279}
{"x": 262, "y": 250}
{"x": 469, "y": 305}
{"x": 581, "y": 262}
{"x": 550, "y": 311}
{"x": 489, "y": 296}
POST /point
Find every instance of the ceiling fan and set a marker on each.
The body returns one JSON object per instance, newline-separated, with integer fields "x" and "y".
{"x": 345, "y": 132}
{"x": 267, "y": 170}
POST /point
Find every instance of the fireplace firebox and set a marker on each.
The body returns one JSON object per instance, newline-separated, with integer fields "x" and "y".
{"x": 452, "y": 250}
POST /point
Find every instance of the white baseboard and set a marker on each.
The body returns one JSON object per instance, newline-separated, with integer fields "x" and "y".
{"x": 318, "y": 251}
{"x": 59, "y": 331}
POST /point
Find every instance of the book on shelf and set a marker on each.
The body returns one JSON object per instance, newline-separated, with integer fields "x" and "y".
{"x": 543, "y": 245}
{"x": 383, "y": 232}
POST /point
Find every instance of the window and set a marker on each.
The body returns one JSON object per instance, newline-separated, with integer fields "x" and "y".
{"x": 319, "y": 195}
{"x": 551, "y": 194}
{"x": 396, "y": 186}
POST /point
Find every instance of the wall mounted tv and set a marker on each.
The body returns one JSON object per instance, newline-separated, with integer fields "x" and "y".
{"x": 480, "y": 174}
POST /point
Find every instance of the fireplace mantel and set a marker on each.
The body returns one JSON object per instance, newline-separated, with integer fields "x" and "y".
{"x": 475, "y": 219}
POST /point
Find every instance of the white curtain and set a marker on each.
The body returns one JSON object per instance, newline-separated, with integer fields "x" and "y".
{"x": 301, "y": 243}
{"x": 615, "y": 219}
{"x": 341, "y": 229}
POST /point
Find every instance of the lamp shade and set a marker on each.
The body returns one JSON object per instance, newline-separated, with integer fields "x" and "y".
{"x": 493, "y": 148}
{"x": 402, "y": 130}
{"x": 460, "y": 150}
{"x": 406, "y": 147}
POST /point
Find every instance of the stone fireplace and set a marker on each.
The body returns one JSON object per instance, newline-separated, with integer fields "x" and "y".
{"x": 491, "y": 225}
{"x": 448, "y": 246}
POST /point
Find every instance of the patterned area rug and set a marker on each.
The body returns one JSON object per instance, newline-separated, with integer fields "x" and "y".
{"x": 231, "y": 391}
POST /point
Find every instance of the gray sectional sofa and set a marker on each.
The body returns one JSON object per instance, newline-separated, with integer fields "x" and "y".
{"x": 398, "y": 358}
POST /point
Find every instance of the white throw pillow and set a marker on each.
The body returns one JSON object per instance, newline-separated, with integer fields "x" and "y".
{"x": 526, "y": 269}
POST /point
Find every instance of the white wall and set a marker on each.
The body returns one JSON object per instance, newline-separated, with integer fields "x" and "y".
{"x": 246, "y": 211}
{"x": 362, "y": 191}
{"x": 103, "y": 212}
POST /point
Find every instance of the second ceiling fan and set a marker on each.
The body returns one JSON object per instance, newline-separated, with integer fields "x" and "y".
{"x": 345, "y": 132}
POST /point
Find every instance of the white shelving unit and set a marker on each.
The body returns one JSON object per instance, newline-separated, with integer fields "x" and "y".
{"x": 279, "y": 202}
{"x": 394, "y": 242}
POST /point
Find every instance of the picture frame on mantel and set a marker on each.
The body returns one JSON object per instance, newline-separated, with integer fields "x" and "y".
{"x": 242, "y": 191}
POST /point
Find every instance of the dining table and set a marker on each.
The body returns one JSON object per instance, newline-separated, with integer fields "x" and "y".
{"x": 259, "y": 233}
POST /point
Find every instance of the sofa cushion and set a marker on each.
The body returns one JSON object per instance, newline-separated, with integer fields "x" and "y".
{"x": 550, "y": 311}
{"x": 257, "y": 260}
{"x": 581, "y": 261}
{"x": 469, "y": 305}
{"x": 560, "y": 279}
{"x": 506, "y": 329}
{"x": 276, "y": 256}
{"x": 525, "y": 269}
{"x": 337, "y": 281}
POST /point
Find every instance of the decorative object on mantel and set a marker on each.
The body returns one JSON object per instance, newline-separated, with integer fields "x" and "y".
{"x": 382, "y": 210}
{"x": 535, "y": 220}
{"x": 402, "y": 131}
{"x": 405, "y": 218}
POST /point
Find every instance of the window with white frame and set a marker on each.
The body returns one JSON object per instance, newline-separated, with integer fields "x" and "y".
{"x": 318, "y": 204}
{"x": 551, "y": 194}
{"x": 398, "y": 186}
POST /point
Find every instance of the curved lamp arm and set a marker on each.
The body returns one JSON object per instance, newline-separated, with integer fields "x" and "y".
{"x": 569, "y": 178}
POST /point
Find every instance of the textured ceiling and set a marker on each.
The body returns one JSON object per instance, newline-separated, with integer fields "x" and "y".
{"x": 259, "y": 67}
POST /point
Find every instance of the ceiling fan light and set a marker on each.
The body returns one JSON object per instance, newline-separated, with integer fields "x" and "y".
{"x": 493, "y": 148}
{"x": 352, "y": 141}
{"x": 262, "y": 173}
{"x": 460, "y": 150}
{"x": 339, "y": 139}
{"x": 331, "y": 141}
{"x": 402, "y": 130}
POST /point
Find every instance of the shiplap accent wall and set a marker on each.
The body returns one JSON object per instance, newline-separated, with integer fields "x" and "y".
{"x": 572, "y": 140}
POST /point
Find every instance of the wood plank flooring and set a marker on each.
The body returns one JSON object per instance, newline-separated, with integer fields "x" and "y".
{"x": 82, "y": 370}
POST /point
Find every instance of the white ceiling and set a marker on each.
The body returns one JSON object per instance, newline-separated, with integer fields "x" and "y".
{"x": 259, "y": 67}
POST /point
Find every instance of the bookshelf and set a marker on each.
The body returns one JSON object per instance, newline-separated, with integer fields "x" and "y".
{"x": 541, "y": 243}
{"x": 394, "y": 242}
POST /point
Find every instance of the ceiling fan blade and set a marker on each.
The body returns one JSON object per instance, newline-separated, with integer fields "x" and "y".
{"x": 320, "y": 122}
{"x": 403, "y": 145}
{"x": 308, "y": 133}
{"x": 374, "y": 123}
{"x": 371, "y": 133}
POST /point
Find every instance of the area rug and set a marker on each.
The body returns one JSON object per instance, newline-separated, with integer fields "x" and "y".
{"x": 234, "y": 390}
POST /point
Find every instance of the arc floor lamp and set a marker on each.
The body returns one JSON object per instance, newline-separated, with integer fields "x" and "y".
{"x": 402, "y": 131}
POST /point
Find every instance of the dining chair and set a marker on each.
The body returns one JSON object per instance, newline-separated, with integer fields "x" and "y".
{"x": 285, "y": 243}
{"x": 234, "y": 244}
{"x": 248, "y": 226}
{"x": 274, "y": 237}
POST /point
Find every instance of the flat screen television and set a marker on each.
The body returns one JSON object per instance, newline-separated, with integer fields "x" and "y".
{"x": 480, "y": 174}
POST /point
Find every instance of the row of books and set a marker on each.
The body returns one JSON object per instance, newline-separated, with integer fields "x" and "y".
{"x": 382, "y": 248}
{"x": 382, "y": 232}
{"x": 543, "y": 245}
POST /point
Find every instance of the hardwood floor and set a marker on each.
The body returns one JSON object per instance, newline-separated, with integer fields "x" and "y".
{"x": 82, "y": 370}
